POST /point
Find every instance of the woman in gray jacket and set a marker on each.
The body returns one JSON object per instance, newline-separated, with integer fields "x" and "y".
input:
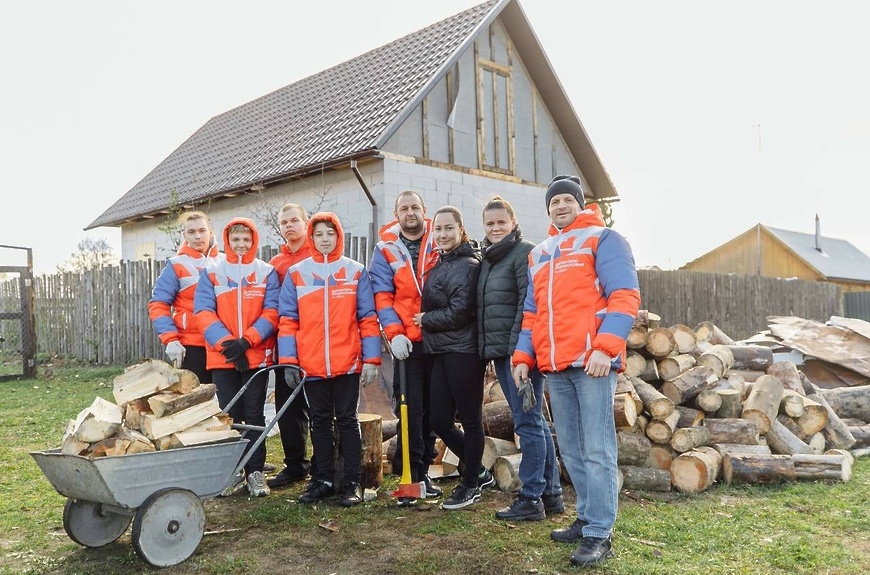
{"x": 501, "y": 289}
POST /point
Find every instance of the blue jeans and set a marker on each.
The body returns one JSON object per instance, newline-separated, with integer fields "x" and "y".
{"x": 539, "y": 470}
{"x": 583, "y": 413}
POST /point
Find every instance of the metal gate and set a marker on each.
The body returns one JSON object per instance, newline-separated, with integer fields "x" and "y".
{"x": 17, "y": 320}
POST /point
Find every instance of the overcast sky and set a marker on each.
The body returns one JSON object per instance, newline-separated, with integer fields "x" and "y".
{"x": 710, "y": 117}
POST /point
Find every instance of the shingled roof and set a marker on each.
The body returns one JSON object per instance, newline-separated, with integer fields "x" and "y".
{"x": 837, "y": 259}
{"x": 345, "y": 112}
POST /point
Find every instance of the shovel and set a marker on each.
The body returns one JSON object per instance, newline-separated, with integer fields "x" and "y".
{"x": 406, "y": 487}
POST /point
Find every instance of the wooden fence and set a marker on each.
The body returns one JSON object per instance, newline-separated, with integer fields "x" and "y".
{"x": 101, "y": 316}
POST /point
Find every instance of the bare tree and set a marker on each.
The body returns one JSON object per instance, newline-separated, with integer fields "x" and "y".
{"x": 92, "y": 253}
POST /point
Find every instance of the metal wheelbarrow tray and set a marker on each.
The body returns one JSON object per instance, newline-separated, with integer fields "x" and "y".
{"x": 160, "y": 492}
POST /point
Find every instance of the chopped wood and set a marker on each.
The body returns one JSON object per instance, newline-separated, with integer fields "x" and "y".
{"x": 751, "y": 468}
{"x": 493, "y": 448}
{"x": 660, "y": 342}
{"x": 707, "y": 331}
{"x": 861, "y": 433}
{"x": 661, "y": 430}
{"x": 632, "y": 448}
{"x": 449, "y": 462}
{"x": 70, "y": 445}
{"x": 650, "y": 373}
{"x": 837, "y": 434}
{"x": 187, "y": 381}
{"x": 625, "y": 385}
{"x": 708, "y": 401}
{"x": 109, "y": 447}
{"x": 371, "y": 470}
{"x": 762, "y": 405}
{"x": 188, "y": 438}
{"x": 733, "y": 431}
{"x": 167, "y": 403}
{"x": 751, "y": 357}
{"x": 687, "y": 438}
{"x": 729, "y": 448}
{"x": 635, "y": 364}
{"x": 689, "y": 416}
{"x": 815, "y": 417}
{"x": 498, "y": 420}
{"x": 661, "y": 456}
{"x": 788, "y": 374}
{"x": 781, "y": 440}
{"x": 658, "y": 405}
{"x": 685, "y": 338}
{"x": 624, "y": 410}
{"x": 671, "y": 367}
{"x": 689, "y": 384}
{"x": 729, "y": 404}
{"x": 850, "y": 402}
{"x": 134, "y": 410}
{"x": 815, "y": 467}
{"x": 506, "y": 471}
{"x": 719, "y": 358}
{"x": 144, "y": 379}
{"x": 156, "y": 427}
{"x": 792, "y": 403}
{"x": 645, "y": 478}
{"x": 138, "y": 442}
{"x": 696, "y": 470}
{"x": 220, "y": 422}
{"x": 97, "y": 422}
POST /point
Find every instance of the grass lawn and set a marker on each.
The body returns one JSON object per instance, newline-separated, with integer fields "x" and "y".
{"x": 798, "y": 528}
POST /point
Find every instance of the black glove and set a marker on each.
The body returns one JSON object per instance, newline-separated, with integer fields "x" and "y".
{"x": 293, "y": 377}
{"x": 242, "y": 363}
{"x": 235, "y": 348}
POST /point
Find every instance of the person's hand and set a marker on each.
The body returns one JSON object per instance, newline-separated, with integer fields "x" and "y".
{"x": 175, "y": 352}
{"x": 369, "y": 373}
{"x": 241, "y": 363}
{"x": 235, "y": 348}
{"x": 401, "y": 347}
{"x": 527, "y": 392}
{"x": 293, "y": 377}
{"x": 418, "y": 319}
{"x": 598, "y": 364}
{"x": 520, "y": 373}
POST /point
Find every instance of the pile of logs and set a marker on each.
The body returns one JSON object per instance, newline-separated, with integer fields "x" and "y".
{"x": 693, "y": 407}
{"x": 156, "y": 407}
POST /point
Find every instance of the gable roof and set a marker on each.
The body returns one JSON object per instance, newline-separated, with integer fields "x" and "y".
{"x": 345, "y": 112}
{"x": 838, "y": 259}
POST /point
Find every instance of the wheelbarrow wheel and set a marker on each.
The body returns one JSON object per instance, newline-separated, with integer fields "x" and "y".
{"x": 168, "y": 527}
{"x": 87, "y": 524}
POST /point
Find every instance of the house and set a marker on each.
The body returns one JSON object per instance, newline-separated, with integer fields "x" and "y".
{"x": 772, "y": 252}
{"x": 459, "y": 111}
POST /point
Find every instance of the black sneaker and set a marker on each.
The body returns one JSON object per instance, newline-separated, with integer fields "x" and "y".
{"x": 407, "y": 502}
{"x": 570, "y": 534}
{"x": 351, "y": 495}
{"x": 268, "y": 468}
{"x": 316, "y": 491}
{"x": 485, "y": 479}
{"x": 462, "y": 496}
{"x": 432, "y": 490}
{"x": 553, "y": 503}
{"x": 592, "y": 551}
{"x": 284, "y": 479}
{"x": 522, "y": 509}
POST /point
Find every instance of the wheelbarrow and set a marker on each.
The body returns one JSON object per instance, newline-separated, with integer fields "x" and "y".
{"x": 160, "y": 492}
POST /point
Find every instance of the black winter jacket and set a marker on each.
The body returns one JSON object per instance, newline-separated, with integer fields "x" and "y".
{"x": 449, "y": 303}
{"x": 501, "y": 290}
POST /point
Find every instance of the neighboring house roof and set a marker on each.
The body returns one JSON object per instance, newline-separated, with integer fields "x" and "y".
{"x": 838, "y": 259}
{"x": 345, "y": 112}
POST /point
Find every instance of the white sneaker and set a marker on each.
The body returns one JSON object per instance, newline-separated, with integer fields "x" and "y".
{"x": 257, "y": 485}
{"x": 236, "y": 482}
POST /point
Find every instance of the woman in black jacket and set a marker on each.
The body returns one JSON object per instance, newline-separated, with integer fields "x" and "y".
{"x": 449, "y": 327}
{"x": 501, "y": 289}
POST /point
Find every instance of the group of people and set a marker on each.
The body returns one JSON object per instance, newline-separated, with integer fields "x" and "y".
{"x": 447, "y": 305}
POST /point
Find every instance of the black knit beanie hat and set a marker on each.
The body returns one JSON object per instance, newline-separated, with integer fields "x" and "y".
{"x": 565, "y": 185}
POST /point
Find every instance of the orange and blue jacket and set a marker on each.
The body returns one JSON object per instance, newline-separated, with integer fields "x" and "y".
{"x": 328, "y": 325}
{"x": 286, "y": 259}
{"x": 398, "y": 286}
{"x": 237, "y": 296}
{"x": 171, "y": 304}
{"x": 583, "y": 295}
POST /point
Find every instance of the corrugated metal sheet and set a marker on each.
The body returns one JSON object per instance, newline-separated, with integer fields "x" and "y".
{"x": 857, "y": 305}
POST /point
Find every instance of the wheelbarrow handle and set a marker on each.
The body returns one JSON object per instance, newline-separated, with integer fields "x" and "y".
{"x": 264, "y": 430}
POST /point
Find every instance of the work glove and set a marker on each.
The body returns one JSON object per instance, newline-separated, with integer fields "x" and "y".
{"x": 527, "y": 392}
{"x": 370, "y": 371}
{"x": 293, "y": 377}
{"x": 242, "y": 364}
{"x": 401, "y": 347}
{"x": 235, "y": 348}
{"x": 175, "y": 352}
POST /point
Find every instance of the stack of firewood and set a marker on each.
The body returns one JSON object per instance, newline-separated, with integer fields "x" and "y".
{"x": 693, "y": 406}
{"x": 156, "y": 407}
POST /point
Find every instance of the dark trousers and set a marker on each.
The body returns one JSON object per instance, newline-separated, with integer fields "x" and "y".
{"x": 248, "y": 409}
{"x": 194, "y": 360}
{"x": 335, "y": 400}
{"x": 457, "y": 386}
{"x": 421, "y": 439}
{"x": 293, "y": 425}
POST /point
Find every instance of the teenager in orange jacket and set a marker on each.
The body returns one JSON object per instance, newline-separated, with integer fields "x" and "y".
{"x": 328, "y": 326}
{"x": 171, "y": 305}
{"x": 236, "y": 307}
